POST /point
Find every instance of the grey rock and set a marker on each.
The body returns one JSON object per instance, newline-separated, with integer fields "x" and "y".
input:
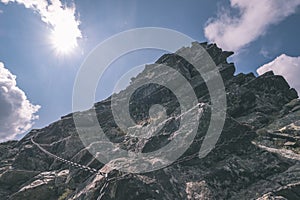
{"x": 256, "y": 156}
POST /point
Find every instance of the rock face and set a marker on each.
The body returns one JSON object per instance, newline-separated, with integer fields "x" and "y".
{"x": 256, "y": 157}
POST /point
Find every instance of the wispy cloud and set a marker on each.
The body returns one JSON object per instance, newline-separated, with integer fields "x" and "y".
{"x": 233, "y": 32}
{"x": 17, "y": 113}
{"x": 288, "y": 67}
{"x": 60, "y": 17}
{"x": 265, "y": 53}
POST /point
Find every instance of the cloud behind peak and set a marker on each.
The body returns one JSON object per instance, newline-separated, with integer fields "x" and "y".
{"x": 286, "y": 66}
{"x": 233, "y": 32}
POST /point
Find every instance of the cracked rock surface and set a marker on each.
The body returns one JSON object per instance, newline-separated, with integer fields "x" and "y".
{"x": 256, "y": 157}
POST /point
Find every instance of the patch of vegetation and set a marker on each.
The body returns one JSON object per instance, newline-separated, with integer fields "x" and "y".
{"x": 65, "y": 194}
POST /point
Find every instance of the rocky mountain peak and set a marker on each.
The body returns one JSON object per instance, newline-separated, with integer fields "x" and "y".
{"x": 255, "y": 157}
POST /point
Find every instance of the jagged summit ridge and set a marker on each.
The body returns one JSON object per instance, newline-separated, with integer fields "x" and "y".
{"x": 262, "y": 112}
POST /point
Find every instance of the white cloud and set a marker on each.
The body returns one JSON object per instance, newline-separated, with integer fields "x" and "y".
{"x": 61, "y": 18}
{"x": 288, "y": 67}
{"x": 17, "y": 114}
{"x": 255, "y": 16}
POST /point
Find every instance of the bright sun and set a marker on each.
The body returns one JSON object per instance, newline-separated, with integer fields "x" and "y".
{"x": 64, "y": 36}
{"x": 63, "y": 41}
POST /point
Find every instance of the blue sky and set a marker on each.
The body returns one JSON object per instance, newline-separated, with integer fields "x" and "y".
{"x": 46, "y": 76}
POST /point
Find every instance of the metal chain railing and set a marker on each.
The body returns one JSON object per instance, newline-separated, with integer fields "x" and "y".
{"x": 86, "y": 168}
{"x": 73, "y": 164}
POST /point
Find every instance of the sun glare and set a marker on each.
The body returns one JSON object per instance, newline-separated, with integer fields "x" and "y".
{"x": 65, "y": 34}
{"x": 63, "y": 41}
